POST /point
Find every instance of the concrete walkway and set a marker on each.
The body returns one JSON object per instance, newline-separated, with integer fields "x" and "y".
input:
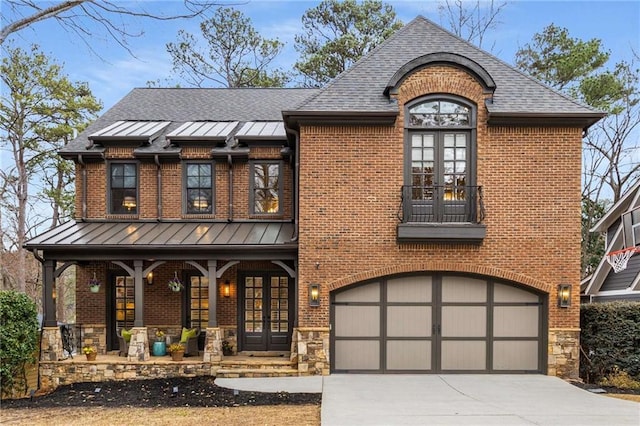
{"x": 357, "y": 399}
{"x": 309, "y": 384}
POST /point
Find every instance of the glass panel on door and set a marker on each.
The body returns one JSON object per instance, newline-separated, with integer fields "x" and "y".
{"x": 124, "y": 302}
{"x": 199, "y": 304}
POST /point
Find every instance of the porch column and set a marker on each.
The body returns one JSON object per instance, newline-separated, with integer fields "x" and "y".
{"x": 139, "y": 294}
{"x": 213, "y": 294}
{"x": 48, "y": 270}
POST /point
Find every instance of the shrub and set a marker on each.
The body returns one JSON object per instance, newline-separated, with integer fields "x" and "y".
{"x": 610, "y": 340}
{"x": 18, "y": 339}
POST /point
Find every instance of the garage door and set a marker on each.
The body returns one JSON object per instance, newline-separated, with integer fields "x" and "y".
{"x": 437, "y": 323}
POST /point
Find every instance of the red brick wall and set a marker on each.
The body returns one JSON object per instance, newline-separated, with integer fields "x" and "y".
{"x": 172, "y": 195}
{"x": 350, "y": 179}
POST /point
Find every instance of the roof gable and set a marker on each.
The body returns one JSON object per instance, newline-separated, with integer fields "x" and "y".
{"x": 362, "y": 87}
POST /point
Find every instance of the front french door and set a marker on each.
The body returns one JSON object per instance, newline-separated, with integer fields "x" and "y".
{"x": 266, "y": 312}
{"x": 122, "y": 307}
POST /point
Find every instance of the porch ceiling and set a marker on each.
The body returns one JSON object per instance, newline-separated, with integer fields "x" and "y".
{"x": 167, "y": 240}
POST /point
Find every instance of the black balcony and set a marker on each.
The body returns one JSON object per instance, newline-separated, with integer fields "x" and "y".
{"x": 446, "y": 213}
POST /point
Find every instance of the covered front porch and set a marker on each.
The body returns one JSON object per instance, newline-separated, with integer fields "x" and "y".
{"x": 238, "y": 285}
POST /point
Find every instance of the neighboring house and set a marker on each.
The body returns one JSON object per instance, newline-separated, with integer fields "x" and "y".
{"x": 621, "y": 226}
{"x": 421, "y": 213}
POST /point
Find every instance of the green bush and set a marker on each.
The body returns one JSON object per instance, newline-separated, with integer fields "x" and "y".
{"x": 18, "y": 339}
{"x": 610, "y": 340}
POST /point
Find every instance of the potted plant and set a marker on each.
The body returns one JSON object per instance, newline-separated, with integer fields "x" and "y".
{"x": 177, "y": 351}
{"x": 90, "y": 352}
{"x": 94, "y": 284}
{"x": 175, "y": 284}
{"x": 159, "y": 346}
{"x": 227, "y": 348}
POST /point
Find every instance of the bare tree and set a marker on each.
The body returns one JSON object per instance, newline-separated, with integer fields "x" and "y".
{"x": 471, "y": 20}
{"x": 236, "y": 55}
{"x": 80, "y": 16}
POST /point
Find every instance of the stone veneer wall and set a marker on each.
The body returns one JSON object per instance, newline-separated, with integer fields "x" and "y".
{"x": 51, "y": 344}
{"x": 310, "y": 350}
{"x": 54, "y": 374}
{"x": 94, "y": 335}
{"x": 564, "y": 353}
{"x": 213, "y": 345}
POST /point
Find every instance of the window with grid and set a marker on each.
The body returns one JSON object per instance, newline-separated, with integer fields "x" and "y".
{"x": 199, "y": 188}
{"x": 266, "y": 188}
{"x": 123, "y": 185}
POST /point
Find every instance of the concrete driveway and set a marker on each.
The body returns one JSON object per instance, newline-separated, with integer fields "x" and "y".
{"x": 355, "y": 399}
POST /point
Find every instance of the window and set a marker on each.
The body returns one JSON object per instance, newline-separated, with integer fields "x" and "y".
{"x": 440, "y": 169}
{"x": 266, "y": 188}
{"x": 124, "y": 188}
{"x": 199, "y": 188}
{"x": 198, "y": 302}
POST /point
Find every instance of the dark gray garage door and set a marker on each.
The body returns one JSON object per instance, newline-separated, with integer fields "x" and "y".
{"x": 437, "y": 323}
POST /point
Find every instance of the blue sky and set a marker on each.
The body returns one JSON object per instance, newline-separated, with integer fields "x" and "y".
{"x": 115, "y": 72}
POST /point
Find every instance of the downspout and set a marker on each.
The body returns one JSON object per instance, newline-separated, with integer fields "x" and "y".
{"x": 296, "y": 183}
{"x": 230, "y": 162}
{"x": 84, "y": 187}
{"x": 159, "y": 186}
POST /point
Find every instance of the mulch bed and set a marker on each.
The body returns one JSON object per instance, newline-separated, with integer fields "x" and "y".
{"x": 177, "y": 392}
{"x": 607, "y": 389}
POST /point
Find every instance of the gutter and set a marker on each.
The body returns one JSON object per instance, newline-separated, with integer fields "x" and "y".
{"x": 230, "y": 163}
{"x": 84, "y": 187}
{"x": 296, "y": 182}
{"x": 156, "y": 160}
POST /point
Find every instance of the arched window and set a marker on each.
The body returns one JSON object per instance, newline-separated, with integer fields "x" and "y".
{"x": 440, "y": 161}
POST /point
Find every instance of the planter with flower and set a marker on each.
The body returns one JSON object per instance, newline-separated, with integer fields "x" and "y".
{"x": 94, "y": 284}
{"x": 177, "y": 351}
{"x": 175, "y": 284}
{"x": 90, "y": 352}
{"x": 159, "y": 346}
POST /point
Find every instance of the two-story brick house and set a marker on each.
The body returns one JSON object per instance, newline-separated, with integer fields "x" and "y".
{"x": 421, "y": 213}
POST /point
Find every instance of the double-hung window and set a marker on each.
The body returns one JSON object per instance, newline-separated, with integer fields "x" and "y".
{"x": 199, "y": 188}
{"x": 265, "y": 187}
{"x": 123, "y": 186}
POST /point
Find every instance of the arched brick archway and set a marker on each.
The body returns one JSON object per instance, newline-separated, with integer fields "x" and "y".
{"x": 442, "y": 267}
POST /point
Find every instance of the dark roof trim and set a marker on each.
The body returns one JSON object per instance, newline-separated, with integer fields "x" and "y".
{"x": 93, "y": 154}
{"x": 543, "y": 119}
{"x": 439, "y": 58}
{"x": 294, "y": 118}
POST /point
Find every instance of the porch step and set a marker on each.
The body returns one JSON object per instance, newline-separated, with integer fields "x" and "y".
{"x": 233, "y": 373}
{"x": 256, "y": 366}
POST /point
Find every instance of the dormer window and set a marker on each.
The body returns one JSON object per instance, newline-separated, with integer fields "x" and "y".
{"x": 123, "y": 186}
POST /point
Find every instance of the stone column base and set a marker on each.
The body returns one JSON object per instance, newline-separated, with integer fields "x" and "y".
{"x": 564, "y": 353}
{"x": 139, "y": 345}
{"x": 51, "y": 344}
{"x": 213, "y": 345}
{"x": 310, "y": 350}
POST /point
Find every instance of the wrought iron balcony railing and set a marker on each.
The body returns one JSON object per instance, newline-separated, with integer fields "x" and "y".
{"x": 441, "y": 204}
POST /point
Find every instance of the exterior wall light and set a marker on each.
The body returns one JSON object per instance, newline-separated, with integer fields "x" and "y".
{"x": 150, "y": 278}
{"x": 564, "y": 295}
{"x": 314, "y": 294}
{"x": 226, "y": 289}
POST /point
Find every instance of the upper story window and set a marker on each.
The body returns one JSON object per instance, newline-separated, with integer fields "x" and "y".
{"x": 123, "y": 186}
{"x": 439, "y": 113}
{"x": 266, "y": 187}
{"x": 199, "y": 188}
{"x": 439, "y": 171}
